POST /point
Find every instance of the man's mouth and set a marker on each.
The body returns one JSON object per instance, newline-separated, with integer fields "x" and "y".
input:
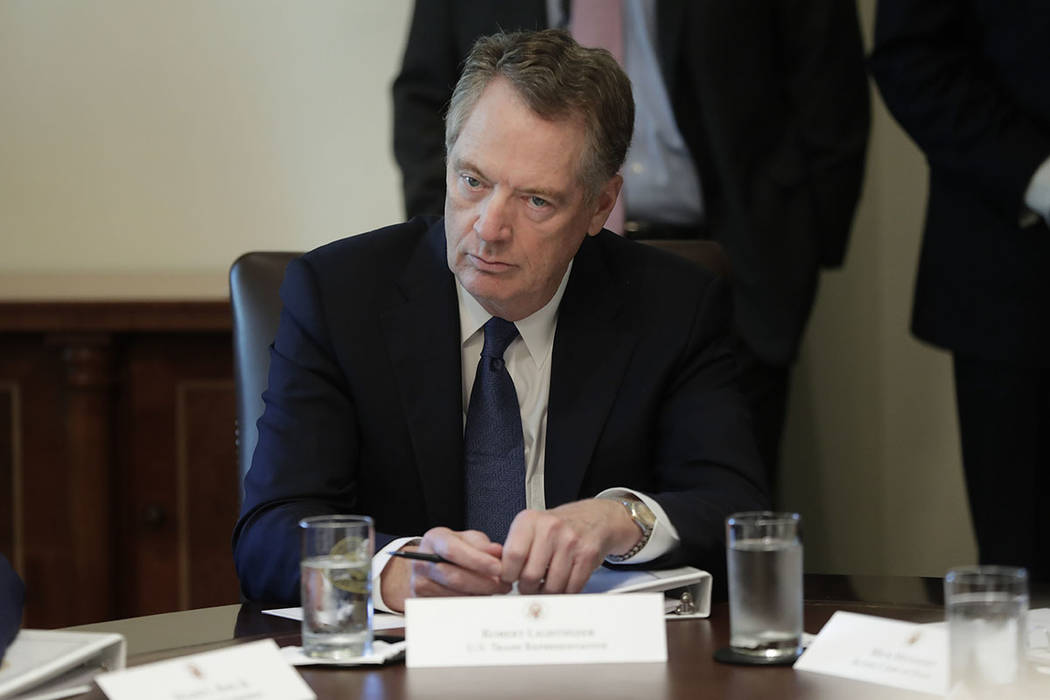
{"x": 487, "y": 265}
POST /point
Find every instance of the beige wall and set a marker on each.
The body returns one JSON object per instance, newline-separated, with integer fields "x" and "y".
{"x": 175, "y": 134}
{"x": 168, "y": 137}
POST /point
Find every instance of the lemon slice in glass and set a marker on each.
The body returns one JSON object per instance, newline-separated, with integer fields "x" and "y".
{"x": 349, "y": 569}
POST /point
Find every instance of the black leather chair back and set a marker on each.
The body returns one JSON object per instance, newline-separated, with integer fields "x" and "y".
{"x": 705, "y": 253}
{"x": 255, "y": 279}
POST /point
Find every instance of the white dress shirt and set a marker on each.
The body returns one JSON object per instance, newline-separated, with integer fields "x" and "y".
{"x": 528, "y": 360}
{"x": 1037, "y": 195}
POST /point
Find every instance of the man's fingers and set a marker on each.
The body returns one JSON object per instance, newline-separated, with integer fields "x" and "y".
{"x": 460, "y": 580}
{"x": 476, "y": 538}
{"x": 460, "y": 550}
{"x": 558, "y": 573}
{"x": 556, "y": 551}
{"x": 424, "y": 587}
{"x": 482, "y": 542}
{"x": 473, "y": 569}
{"x": 516, "y": 550}
{"x": 533, "y": 573}
{"x": 581, "y": 573}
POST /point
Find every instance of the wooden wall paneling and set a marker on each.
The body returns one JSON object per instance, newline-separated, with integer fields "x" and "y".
{"x": 181, "y": 471}
{"x": 88, "y": 422}
{"x": 45, "y": 557}
{"x": 125, "y": 514}
{"x": 208, "y": 487}
{"x": 151, "y": 564}
{"x": 10, "y": 472}
{"x": 118, "y": 420}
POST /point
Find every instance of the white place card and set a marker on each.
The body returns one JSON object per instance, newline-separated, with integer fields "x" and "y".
{"x": 1038, "y": 620}
{"x": 550, "y": 629}
{"x": 253, "y": 671}
{"x": 877, "y": 650}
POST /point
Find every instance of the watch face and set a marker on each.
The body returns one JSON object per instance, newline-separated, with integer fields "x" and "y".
{"x": 641, "y": 513}
{"x": 649, "y": 518}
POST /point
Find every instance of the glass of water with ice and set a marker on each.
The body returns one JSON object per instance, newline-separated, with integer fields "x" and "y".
{"x": 336, "y": 588}
{"x": 986, "y": 607}
{"x": 764, "y": 553}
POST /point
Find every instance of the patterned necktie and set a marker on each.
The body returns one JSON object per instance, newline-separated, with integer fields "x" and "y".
{"x": 598, "y": 23}
{"x": 493, "y": 445}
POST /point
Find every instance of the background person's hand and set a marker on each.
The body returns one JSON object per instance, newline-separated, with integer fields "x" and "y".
{"x": 557, "y": 550}
{"x": 474, "y": 569}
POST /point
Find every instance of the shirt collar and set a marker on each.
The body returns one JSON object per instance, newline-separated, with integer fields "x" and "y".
{"x": 536, "y": 330}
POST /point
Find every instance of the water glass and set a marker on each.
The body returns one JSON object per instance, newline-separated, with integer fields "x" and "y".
{"x": 764, "y": 552}
{"x": 986, "y": 608}
{"x": 336, "y": 588}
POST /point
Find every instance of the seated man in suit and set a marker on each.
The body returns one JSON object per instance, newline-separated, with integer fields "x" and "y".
{"x": 12, "y": 595}
{"x": 529, "y": 393}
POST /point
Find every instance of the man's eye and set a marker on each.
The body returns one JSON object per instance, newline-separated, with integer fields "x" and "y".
{"x": 472, "y": 182}
{"x": 538, "y": 202}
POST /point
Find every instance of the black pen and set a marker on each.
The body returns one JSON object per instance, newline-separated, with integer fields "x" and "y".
{"x": 422, "y": 556}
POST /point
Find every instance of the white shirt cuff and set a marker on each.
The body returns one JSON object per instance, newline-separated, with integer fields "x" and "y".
{"x": 379, "y": 562}
{"x": 1037, "y": 196}
{"x": 665, "y": 536}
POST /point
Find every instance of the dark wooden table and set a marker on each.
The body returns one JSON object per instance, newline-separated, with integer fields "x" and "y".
{"x": 690, "y": 671}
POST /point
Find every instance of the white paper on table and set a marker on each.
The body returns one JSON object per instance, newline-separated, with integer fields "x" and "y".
{"x": 380, "y": 621}
{"x": 382, "y": 652}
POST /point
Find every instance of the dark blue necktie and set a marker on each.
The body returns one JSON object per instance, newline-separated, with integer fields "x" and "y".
{"x": 493, "y": 446}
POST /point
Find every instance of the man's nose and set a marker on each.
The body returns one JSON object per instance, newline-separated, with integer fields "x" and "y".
{"x": 494, "y": 221}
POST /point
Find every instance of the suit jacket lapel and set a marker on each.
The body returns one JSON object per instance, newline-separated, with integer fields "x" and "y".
{"x": 421, "y": 327}
{"x": 591, "y": 352}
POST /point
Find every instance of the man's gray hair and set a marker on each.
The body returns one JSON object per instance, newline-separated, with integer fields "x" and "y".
{"x": 558, "y": 79}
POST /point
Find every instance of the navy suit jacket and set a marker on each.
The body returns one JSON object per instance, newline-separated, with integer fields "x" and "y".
{"x": 970, "y": 82}
{"x": 12, "y": 596}
{"x": 364, "y": 409}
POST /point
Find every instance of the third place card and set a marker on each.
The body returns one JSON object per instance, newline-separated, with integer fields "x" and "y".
{"x": 878, "y": 650}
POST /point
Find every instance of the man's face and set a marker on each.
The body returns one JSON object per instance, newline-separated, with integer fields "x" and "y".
{"x": 515, "y": 210}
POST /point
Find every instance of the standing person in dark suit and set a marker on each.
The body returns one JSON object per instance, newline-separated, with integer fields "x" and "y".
{"x": 12, "y": 596}
{"x": 607, "y": 425}
{"x": 970, "y": 82}
{"x": 751, "y": 128}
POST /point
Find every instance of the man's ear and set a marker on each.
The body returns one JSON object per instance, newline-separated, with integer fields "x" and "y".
{"x": 604, "y": 203}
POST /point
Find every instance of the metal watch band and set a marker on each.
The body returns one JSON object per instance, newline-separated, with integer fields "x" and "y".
{"x": 647, "y": 531}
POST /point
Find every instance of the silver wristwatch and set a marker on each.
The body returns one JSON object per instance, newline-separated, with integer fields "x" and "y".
{"x": 643, "y": 518}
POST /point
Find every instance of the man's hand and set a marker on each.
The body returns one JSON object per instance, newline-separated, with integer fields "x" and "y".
{"x": 475, "y": 568}
{"x": 556, "y": 551}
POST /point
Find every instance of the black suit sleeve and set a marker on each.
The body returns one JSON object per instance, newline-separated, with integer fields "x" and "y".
{"x": 421, "y": 91}
{"x": 827, "y": 87}
{"x": 931, "y": 69}
{"x": 306, "y": 459}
